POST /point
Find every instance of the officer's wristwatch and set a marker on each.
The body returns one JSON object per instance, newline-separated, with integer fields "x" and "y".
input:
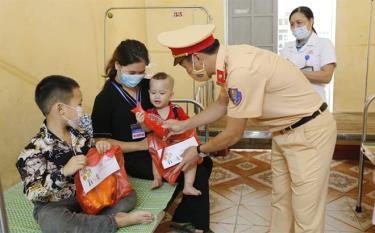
{"x": 200, "y": 153}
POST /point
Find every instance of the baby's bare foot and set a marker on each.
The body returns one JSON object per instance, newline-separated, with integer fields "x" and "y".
{"x": 156, "y": 184}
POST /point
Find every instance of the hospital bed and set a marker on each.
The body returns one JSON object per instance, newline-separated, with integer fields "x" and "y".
{"x": 3, "y": 215}
{"x": 20, "y": 219}
{"x": 367, "y": 147}
{"x": 16, "y": 210}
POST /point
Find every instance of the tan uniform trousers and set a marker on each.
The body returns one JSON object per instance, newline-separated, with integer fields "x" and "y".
{"x": 300, "y": 172}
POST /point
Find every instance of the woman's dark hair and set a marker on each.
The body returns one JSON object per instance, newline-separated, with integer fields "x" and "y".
{"x": 306, "y": 12}
{"x": 126, "y": 53}
{"x": 209, "y": 50}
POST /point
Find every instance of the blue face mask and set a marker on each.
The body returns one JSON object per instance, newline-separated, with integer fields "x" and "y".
{"x": 301, "y": 33}
{"x": 131, "y": 80}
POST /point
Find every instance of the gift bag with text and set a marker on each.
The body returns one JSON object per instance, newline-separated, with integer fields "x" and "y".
{"x": 166, "y": 163}
{"x": 103, "y": 182}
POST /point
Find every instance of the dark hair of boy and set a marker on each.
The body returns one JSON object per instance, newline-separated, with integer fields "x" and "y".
{"x": 53, "y": 89}
{"x": 126, "y": 53}
{"x": 164, "y": 76}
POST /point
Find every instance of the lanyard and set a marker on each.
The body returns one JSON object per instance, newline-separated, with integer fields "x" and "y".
{"x": 128, "y": 98}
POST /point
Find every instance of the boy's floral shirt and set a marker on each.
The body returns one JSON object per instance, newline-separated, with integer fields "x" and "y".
{"x": 40, "y": 164}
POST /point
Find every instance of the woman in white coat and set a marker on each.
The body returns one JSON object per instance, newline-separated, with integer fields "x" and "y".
{"x": 315, "y": 56}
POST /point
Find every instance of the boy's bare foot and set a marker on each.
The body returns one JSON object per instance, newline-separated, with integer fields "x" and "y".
{"x": 156, "y": 184}
{"x": 190, "y": 190}
{"x": 137, "y": 217}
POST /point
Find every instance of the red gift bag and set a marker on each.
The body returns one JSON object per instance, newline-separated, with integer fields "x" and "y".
{"x": 152, "y": 121}
{"x": 110, "y": 190}
{"x": 156, "y": 143}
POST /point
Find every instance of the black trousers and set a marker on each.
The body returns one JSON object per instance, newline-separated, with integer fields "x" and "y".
{"x": 139, "y": 164}
{"x": 193, "y": 209}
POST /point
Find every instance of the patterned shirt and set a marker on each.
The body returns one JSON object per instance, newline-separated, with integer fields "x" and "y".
{"x": 40, "y": 164}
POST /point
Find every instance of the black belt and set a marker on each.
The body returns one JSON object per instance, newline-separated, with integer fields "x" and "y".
{"x": 304, "y": 120}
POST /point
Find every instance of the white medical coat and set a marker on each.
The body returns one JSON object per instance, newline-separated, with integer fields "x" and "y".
{"x": 317, "y": 52}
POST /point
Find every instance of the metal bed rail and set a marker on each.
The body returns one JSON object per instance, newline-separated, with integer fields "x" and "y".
{"x": 3, "y": 214}
{"x": 364, "y": 151}
{"x": 109, "y": 15}
{"x": 198, "y": 107}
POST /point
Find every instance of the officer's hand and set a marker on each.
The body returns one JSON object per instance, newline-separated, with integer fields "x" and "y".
{"x": 102, "y": 146}
{"x": 140, "y": 116}
{"x": 74, "y": 164}
{"x": 175, "y": 126}
{"x": 189, "y": 158}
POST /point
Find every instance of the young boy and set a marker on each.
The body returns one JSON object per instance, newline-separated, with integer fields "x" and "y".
{"x": 161, "y": 92}
{"x": 48, "y": 163}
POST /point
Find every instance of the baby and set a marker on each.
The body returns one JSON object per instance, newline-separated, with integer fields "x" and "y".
{"x": 161, "y": 92}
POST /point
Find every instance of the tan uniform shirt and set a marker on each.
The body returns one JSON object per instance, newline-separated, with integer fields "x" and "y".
{"x": 265, "y": 87}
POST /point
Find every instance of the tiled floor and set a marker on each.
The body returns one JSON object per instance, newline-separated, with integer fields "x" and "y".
{"x": 240, "y": 196}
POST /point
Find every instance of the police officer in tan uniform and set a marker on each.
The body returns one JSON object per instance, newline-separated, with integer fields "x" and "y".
{"x": 259, "y": 85}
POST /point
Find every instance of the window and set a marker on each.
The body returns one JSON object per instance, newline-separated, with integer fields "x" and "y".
{"x": 253, "y": 22}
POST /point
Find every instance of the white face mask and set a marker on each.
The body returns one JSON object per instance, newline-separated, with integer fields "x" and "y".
{"x": 131, "y": 80}
{"x": 301, "y": 33}
{"x": 75, "y": 123}
{"x": 200, "y": 75}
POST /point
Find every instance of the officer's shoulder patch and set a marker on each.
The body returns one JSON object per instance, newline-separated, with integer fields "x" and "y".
{"x": 235, "y": 95}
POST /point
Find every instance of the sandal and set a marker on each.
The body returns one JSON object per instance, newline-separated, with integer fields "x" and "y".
{"x": 185, "y": 228}
{"x": 209, "y": 231}
{"x": 182, "y": 227}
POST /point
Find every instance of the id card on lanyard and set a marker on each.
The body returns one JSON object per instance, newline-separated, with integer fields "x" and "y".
{"x": 136, "y": 129}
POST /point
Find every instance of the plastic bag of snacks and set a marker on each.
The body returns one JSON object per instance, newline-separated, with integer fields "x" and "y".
{"x": 103, "y": 182}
